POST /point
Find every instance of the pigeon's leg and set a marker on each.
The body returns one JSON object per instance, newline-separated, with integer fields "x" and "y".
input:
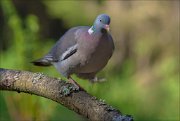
{"x": 91, "y": 77}
{"x": 97, "y": 80}
{"x": 77, "y": 86}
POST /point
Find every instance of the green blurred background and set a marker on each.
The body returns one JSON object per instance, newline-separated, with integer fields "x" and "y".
{"x": 142, "y": 75}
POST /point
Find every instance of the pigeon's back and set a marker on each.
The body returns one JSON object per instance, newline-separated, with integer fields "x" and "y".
{"x": 66, "y": 41}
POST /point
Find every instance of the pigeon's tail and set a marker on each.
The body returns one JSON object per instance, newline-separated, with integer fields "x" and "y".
{"x": 42, "y": 62}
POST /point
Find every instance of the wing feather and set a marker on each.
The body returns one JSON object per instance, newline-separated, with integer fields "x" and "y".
{"x": 69, "y": 52}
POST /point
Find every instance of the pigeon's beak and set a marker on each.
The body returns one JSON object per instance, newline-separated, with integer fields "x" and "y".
{"x": 106, "y": 27}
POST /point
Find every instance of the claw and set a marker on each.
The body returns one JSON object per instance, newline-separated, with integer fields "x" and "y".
{"x": 77, "y": 86}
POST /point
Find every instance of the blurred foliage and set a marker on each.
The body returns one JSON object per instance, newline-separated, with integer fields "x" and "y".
{"x": 143, "y": 74}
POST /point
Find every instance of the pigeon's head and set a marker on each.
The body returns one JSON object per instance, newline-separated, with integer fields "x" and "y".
{"x": 102, "y": 22}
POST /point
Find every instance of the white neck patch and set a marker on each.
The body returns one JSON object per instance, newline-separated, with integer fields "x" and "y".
{"x": 90, "y": 31}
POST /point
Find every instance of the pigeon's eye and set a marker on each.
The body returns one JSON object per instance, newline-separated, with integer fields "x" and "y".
{"x": 100, "y": 20}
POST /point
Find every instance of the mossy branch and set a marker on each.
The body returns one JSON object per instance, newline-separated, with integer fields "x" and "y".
{"x": 58, "y": 90}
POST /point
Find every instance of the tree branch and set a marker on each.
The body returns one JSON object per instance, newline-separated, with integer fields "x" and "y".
{"x": 64, "y": 93}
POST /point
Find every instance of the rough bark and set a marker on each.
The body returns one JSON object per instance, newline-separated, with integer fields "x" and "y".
{"x": 58, "y": 90}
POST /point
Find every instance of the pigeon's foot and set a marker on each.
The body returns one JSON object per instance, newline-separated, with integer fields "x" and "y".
{"x": 77, "y": 86}
{"x": 98, "y": 80}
